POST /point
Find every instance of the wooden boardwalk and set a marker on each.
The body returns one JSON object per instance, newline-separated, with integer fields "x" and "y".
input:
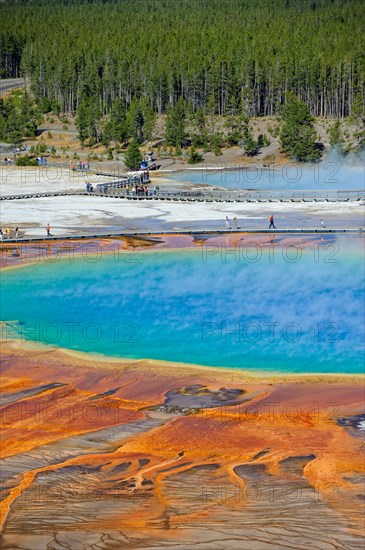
{"x": 202, "y": 232}
{"x": 117, "y": 191}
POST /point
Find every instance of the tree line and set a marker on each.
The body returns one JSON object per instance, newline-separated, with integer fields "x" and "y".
{"x": 20, "y": 117}
{"x": 222, "y": 57}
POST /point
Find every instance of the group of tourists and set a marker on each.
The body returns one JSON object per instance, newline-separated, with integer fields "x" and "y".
{"x": 82, "y": 166}
{"x": 131, "y": 189}
{"x": 143, "y": 177}
{"x": 135, "y": 185}
{"x": 235, "y": 223}
{"x": 141, "y": 190}
{"x": 8, "y": 233}
{"x": 137, "y": 190}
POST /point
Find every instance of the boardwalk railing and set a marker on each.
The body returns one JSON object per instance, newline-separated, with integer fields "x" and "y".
{"x": 249, "y": 196}
{"x": 167, "y": 232}
{"x": 118, "y": 190}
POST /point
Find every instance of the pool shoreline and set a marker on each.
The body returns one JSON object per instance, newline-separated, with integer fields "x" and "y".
{"x": 17, "y": 347}
{"x": 41, "y": 249}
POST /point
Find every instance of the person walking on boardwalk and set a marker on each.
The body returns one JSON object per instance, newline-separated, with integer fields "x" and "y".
{"x": 8, "y": 232}
{"x": 272, "y": 222}
{"x": 1, "y": 235}
{"x": 16, "y": 233}
{"x": 227, "y": 223}
{"x": 322, "y": 224}
{"x": 235, "y": 223}
{"x": 48, "y": 229}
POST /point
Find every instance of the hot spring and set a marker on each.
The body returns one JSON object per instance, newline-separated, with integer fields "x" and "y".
{"x": 334, "y": 173}
{"x": 297, "y": 310}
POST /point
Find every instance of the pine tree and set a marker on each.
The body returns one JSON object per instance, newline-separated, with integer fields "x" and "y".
{"x": 29, "y": 116}
{"x": 132, "y": 156}
{"x": 335, "y": 134}
{"x": 116, "y": 127}
{"x": 199, "y": 135}
{"x": 87, "y": 120}
{"x": 297, "y": 135}
{"x": 357, "y": 118}
{"x": 14, "y": 123}
{"x": 135, "y": 121}
{"x": 175, "y": 126}
{"x": 195, "y": 157}
{"x": 234, "y": 125}
{"x": 3, "y": 119}
{"x": 149, "y": 119}
{"x": 212, "y": 106}
{"x": 248, "y": 142}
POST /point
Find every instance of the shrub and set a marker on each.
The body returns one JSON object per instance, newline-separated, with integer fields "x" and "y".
{"x": 41, "y": 148}
{"x": 195, "y": 157}
{"x": 26, "y": 161}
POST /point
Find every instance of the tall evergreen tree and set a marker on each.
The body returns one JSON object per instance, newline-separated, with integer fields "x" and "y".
{"x": 3, "y": 119}
{"x": 88, "y": 120}
{"x": 132, "y": 156}
{"x": 199, "y": 134}
{"x": 149, "y": 119}
{"x": 297, "y": 135}
{"x": 357, "y": 117}
{"x": 248, "y": 142}
{"x": 29, "y": 115}
{"x": 115, "y": 128}
{"x": 335, "y": 134}
{"x": 175, "y": 127}
{"x": 135, "y": 121}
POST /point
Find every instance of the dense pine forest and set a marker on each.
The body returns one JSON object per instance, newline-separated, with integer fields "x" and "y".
{"x": 221, "y": 56}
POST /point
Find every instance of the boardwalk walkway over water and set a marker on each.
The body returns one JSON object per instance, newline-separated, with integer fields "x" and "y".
{"x": 117, "y": 190}
{"x": 194, "y": 232}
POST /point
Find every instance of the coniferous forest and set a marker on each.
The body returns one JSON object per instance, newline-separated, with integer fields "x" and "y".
{"x": 220, "y": 56}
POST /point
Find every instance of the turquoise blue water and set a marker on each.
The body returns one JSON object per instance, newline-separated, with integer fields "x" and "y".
{"x": 185, "y": 306}
{"x": 332, "y": 174}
